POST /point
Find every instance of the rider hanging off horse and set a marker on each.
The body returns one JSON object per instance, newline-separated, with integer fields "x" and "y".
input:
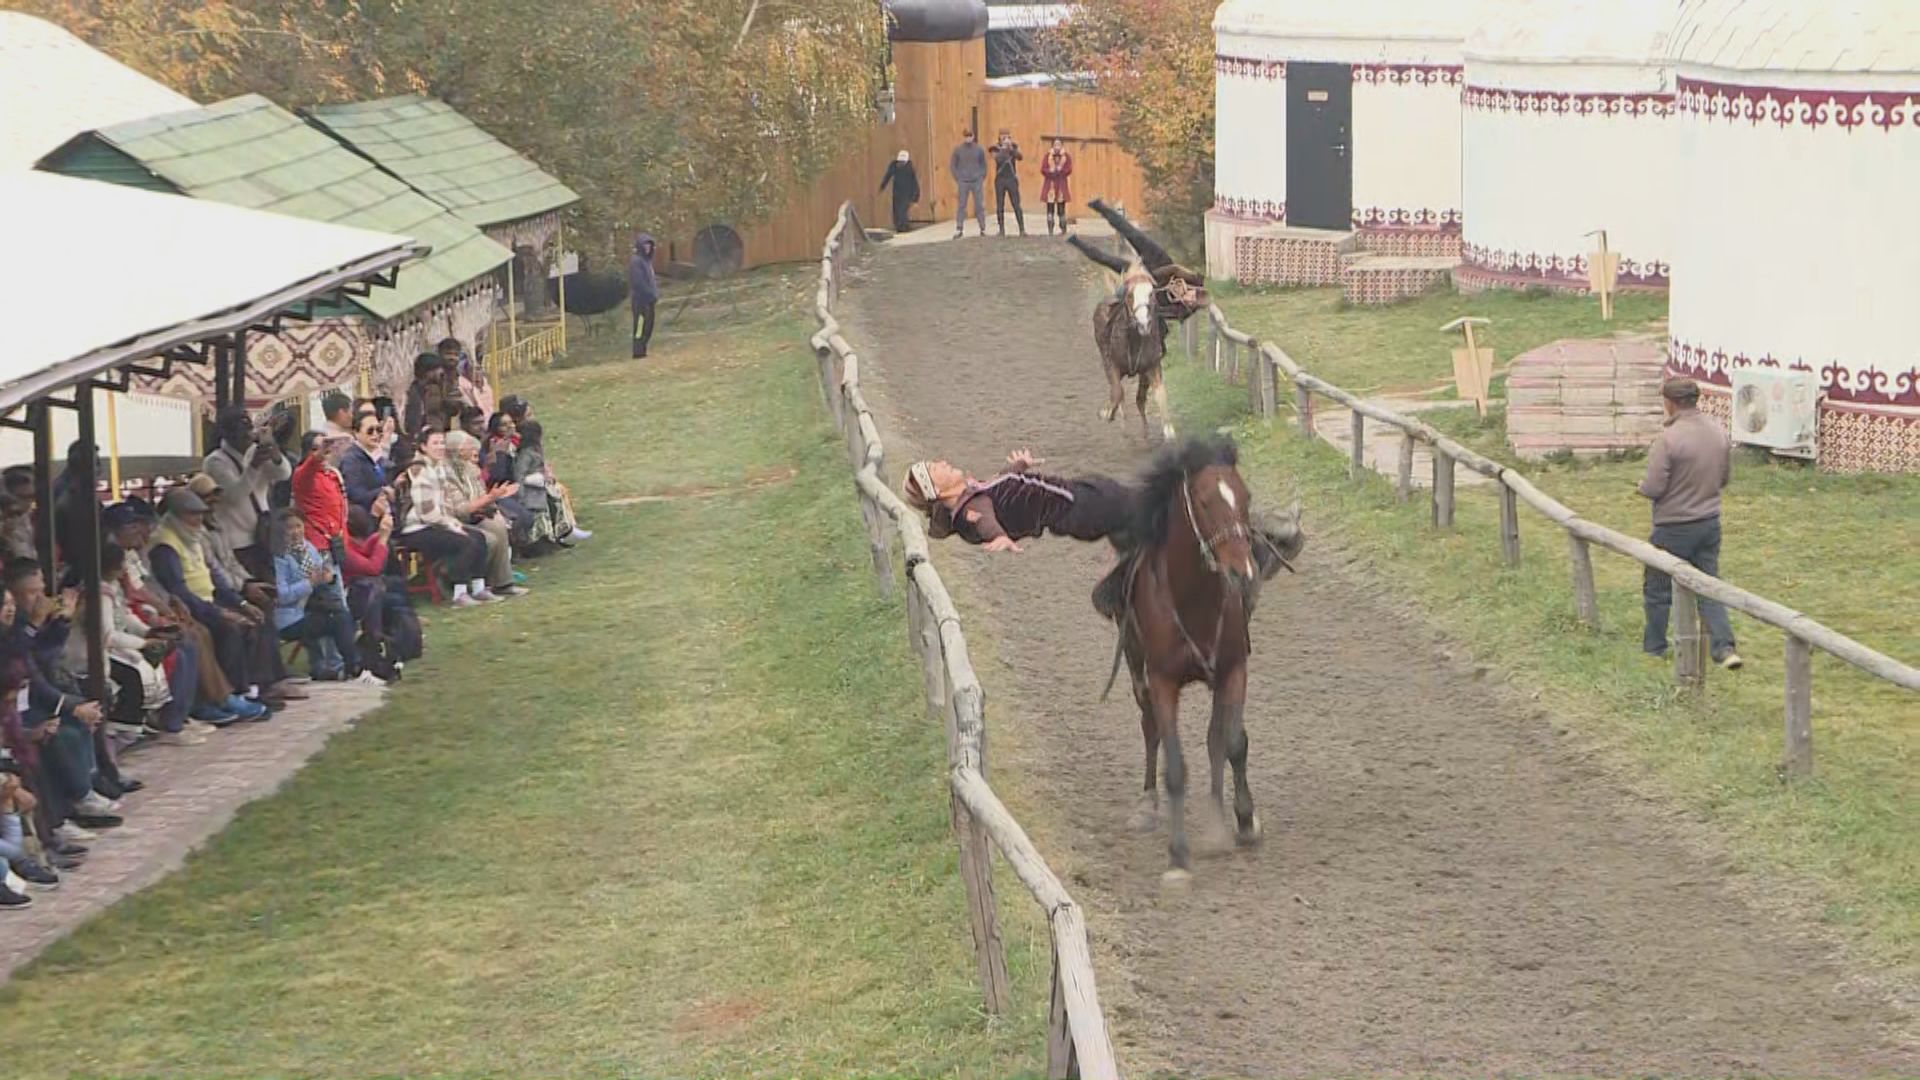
{"x": 1130, "y": 327}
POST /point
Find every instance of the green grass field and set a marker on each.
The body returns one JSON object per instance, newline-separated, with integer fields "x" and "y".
{"x": 1837, "y": 548}
{"x": 678, "y": 813}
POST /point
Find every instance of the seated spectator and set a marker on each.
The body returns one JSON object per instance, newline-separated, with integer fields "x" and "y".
{"x": 429, "y": 527}
{"x": 373, "y": 588}
{"x": 311, "y": 604}
{"x": 178, "y": 557}
{"x": 364, "y": 467}
{"x": 540, "y": 494}
{"x": 257, "y": 590}
{"x": 433, "y": 398}
{"x": 473, "y": 421}
{"x": 130, "y": 524}
{"x": 16, "y": 804}
{"x": 473, "y": 501}
{"x": 16, "y": 527}
{"x": 135, "y": 657}
{"x": 319, "y": 490}
{"x": 58, "y": 724}
{"x": 337, "y": 409}
{"x": 470, "y": 379}
{"x": 521, "y": 411}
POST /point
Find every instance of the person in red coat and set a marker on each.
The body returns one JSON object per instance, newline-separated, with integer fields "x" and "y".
{"x": 1055, "y": 168}
{"x": 320, "y": 492}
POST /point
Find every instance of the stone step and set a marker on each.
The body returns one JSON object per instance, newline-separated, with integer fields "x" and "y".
{"x": 1384, "y": 279}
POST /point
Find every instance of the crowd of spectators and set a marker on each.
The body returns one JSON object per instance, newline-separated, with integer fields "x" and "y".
{"x": 273, "y": 568}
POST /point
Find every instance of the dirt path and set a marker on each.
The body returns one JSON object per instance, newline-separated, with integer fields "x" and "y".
{"x": 1445, "y": 889}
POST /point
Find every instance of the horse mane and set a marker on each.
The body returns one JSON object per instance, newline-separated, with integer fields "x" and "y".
{"x": 1170, "y": 468}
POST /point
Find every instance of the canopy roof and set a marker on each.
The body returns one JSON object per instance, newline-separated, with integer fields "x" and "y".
{"x": 1576, "y": 32}
{"x": 147, "y": 272}
{"x": 446, "y": 157}
{"x": 57, "y": 86}
{"x": 1876, "y": 37}
{"x": 251, "y": 153}
{"x": 1374, "y": 20}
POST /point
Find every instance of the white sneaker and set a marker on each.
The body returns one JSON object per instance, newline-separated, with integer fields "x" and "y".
{"x": 74, "y": 834}
{"x": 486, "y": 597}
{"x": 199, "y": 728}
{"x": 368, "y": 678}
{"x": 99, "y": 807}
{"x": 578, "y": 534}
{"x": 180, "y": 738}
{"x": 465, "y": 601}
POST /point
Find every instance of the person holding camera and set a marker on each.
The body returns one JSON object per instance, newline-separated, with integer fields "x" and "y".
{"x": 1006, "y": 181}
{"x": 246, "y": 465}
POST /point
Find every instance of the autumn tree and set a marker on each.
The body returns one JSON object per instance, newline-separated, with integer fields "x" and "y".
{"x": 663, "y": 114}
{"x": 1154, "y": 60}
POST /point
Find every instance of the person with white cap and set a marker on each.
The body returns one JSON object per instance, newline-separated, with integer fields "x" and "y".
{"x": 906, "y": 188}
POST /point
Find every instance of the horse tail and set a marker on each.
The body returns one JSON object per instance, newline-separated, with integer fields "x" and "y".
{"x": 1119, "y": 648}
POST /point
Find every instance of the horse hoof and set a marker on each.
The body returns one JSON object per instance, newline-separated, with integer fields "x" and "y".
{"x": 1249, "y": 834}
{"x": 1143, "y": 821}
{"x": 1177, "y": 879}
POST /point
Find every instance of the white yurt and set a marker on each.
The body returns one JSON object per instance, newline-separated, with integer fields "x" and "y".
{"x": 1796, "y": 246}
{"x": 1339, "y": 117}
{"x": 1567, "y": 130}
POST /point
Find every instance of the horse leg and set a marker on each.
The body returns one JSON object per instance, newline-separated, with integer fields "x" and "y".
{"x": 1165, "y": 693}
{"x": 1116, "y": 392}
{"x": 1217, "y": 759}
{"x": 1147, "y": 817}
{"x": 1140, "y": 402}
{"x": 1230, "y": 705}
{"x": 1160, "y": 399}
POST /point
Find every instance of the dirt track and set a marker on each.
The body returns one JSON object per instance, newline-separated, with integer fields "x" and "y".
{"x": 1444, "y": 889}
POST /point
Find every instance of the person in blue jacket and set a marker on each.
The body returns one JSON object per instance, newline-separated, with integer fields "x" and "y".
{"x": 643, "y": 290}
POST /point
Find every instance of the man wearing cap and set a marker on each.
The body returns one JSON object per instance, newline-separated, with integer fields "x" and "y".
{"x": 246, "y": 465}
{"x": 1687, "y": 468}
{"x": 130, "y": 524}
{"x": 180, "y": 566}
{"x": 221, "y": 553}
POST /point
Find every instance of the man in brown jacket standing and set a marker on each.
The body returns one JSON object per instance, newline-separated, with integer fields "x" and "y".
{"x": 1687, "y": 467}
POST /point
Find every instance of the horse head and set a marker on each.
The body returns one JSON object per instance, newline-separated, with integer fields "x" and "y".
{"x": 1138, "y": 288}
{"x": 1217, "y": 508}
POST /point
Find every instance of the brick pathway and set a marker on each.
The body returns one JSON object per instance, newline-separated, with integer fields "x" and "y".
{"x": 191, "y": 793}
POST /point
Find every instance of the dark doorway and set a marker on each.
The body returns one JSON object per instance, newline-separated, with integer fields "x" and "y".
{"x": 1320, "y": 146}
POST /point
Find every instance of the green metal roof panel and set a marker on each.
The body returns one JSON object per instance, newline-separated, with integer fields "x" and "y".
{"x": 249, "y": 152}
{"x": 447, "y": 157}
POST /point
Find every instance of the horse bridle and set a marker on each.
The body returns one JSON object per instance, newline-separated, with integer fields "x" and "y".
{"x": 1235, "y": 531}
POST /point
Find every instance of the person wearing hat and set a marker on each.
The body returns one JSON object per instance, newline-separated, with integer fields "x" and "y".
{"x": 1016, "y": 505}
{"x": 906, "y": 189}
{"x": 130, "y": 524}
{"x": 180, "y": 566}
{"x": 220, "y": 552}
{"x": 246, "y": 465}
{"x": 1688, "y": 466}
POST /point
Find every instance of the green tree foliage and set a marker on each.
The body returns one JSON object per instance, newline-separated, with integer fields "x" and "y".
{"x": 664, "y": 114}
{"x": 1154, "y": 60}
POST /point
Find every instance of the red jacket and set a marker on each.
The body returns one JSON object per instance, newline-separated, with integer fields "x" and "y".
{"x": 1054, "y": 189}
{"x": 322, "y": 498}
{"x": 366, "y": 558}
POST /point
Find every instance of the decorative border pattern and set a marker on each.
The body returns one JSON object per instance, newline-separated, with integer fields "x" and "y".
{"x": 1410, "y": 74}
{"x": 1845, "y": 109}
{"x": 1375, "y": 217}
{"x": 1251, "y": 209}
{"x": 1564, "y": 269}
{"x": 1249, "y": 67}
{"x": 1866, "y": 386}
{"x": 1557, "y": 103}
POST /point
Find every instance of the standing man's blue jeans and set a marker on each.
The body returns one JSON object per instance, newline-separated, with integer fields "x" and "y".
{"x": 1698, "y": 543}
{"x": 975, "y": 189}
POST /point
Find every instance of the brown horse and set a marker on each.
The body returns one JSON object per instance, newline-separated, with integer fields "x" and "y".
{"x": 1183, "y": 596}
{"x": 1130, "y": 327}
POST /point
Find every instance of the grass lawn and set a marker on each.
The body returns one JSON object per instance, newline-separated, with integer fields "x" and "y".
{"x": 1837, "y": 548}
{"x": 679, "y": 812}
{"x": 1366, "y": 352}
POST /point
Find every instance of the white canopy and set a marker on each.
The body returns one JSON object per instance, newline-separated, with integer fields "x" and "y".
{"x": 57, "y": 86}
{"x": 101, "y": 275}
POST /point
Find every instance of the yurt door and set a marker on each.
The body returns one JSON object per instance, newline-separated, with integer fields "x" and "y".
{"x": 1319, "y": 146}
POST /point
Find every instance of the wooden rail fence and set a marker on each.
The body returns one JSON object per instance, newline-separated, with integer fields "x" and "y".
{"x": 1077, "y": 1041}
{"x": 1263, "y": 366}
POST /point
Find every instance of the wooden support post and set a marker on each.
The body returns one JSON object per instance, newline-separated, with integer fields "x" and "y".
{"x": 1189, "y": 337}
{"x": 239, "y": 395}
{"x": 1403, "y": 481}
{"x": 1689, "y": 667}
{"x": 1509, "y": 526}
{"x": 1303, "y": 405}
{"x": 560, "y": 260}
{"x": 976, "y": 870}
{"x": 1442, "y": 490}
{"x": 40, "y": 415}
{"x": 877, "y": 544}
{"x": 1357, "y": 466}
{"x": 1061, "y": 1063}
{"x": 513, "y": 318}
{"x": 113, "y": 446}
{"x": 1799, "y": 708}
{"x": 83, "y": 475}
{"x": 1586, "y": 602}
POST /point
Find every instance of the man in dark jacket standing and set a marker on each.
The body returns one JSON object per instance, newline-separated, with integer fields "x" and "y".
{"x": 643, "y": 290}
{"x": 969, "y": 167}
{"x": 1006, "y": 181}
{"x": 1687, "y": 467}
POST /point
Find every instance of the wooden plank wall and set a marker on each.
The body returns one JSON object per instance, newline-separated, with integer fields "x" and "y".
{"x": 940, "y": 90}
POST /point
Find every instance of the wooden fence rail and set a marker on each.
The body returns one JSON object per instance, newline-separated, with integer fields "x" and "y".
{"x": 1077, "y": 1040}
{"x": 1269, "y": 365}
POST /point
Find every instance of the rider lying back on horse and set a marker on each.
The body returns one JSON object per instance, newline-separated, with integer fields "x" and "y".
{"x": 1177, "y": 292}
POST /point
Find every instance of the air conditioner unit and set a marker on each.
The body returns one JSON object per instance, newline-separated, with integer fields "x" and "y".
{"x": 1776, "y": 409}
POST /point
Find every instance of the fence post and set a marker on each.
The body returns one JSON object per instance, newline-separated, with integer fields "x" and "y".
{"x": 1303, "y": 404}
{"x": 1357, "y": 463}
{"x": 1403, "y": 482}
{"x": 1586, "y": 602}
{"x": 1188, "y": 334}
{"x": 1799, "y": 708}
{"x": 1509, "y": 526}
{"x": 1061, "y": 1063}
{"x": 1442, "y": 490}
{"x": 877, "y": 543}
{"x": 1273, "y": 384}
{"x": 1213, "y": 345}
{"x": 1689, "y": 668}
{"x": 976, "y": 870}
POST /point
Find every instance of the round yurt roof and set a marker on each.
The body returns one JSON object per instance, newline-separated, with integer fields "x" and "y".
{"x": 1367, "y": 20}
{"x": 1575, "y": 32}
{"x": 936, "y": 20}
{"x": 1806, "y": 36}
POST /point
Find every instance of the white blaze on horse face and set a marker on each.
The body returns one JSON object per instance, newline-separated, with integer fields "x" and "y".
{"x": 1140, "y": 299}
{"x": 1227, "y": 494}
